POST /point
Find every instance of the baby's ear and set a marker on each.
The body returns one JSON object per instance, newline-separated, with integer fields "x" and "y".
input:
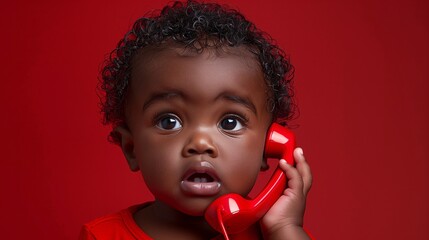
{"x": 127, "y": 145}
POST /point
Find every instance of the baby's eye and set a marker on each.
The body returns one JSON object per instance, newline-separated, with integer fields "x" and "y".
{"x": 232, "y": 123}
{"x": 169, "y": 122}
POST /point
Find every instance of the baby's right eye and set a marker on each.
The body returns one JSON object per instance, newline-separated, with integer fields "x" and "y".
{"x": 169, "y": 122}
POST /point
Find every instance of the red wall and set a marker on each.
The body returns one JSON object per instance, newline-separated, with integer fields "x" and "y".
{"x": 362, "y": 85}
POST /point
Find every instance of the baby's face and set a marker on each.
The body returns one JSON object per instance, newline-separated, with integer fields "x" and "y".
{"x": 197, "y": 125}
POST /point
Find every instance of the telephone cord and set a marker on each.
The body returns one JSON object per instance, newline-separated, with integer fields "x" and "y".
{"x": 219, "y": 217}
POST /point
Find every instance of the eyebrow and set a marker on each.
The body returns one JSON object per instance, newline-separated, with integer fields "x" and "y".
{"x": 229, "y": 97}
{"x": 159, "y": 97}
{"x": 240, "y": 100}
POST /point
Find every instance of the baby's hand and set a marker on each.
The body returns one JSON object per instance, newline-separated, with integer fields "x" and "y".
{"x": 285, "y": 218}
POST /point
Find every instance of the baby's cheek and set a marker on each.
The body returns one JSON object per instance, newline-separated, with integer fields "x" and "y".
{"x": 160, "y": 168}
{"x": 242, "y": 173}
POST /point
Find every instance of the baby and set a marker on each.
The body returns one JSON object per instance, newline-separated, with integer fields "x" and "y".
{"x": 191, "y": 92}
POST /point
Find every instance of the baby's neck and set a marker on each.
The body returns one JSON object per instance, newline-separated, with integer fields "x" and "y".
{"x": 163, "y": 222}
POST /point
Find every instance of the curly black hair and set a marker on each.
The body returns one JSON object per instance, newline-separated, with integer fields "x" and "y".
{"x": 191, "y": 24}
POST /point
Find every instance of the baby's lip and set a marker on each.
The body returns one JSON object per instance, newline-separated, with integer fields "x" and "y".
{"x": 201, "y": 180}
{"x": 201, "y": 168}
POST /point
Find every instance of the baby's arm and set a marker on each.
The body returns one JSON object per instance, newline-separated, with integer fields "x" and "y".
{"x": 285, "y": 218}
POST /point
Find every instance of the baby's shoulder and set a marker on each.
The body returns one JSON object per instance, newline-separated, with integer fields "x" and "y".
{"x": 119, "y": 225}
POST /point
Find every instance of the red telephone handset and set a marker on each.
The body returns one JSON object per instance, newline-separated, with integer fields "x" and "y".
{"x": 233, "y": 214}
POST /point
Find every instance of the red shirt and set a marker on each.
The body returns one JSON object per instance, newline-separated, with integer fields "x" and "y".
{"x": 117, "y": 226}
{"x": 121, "y": 226}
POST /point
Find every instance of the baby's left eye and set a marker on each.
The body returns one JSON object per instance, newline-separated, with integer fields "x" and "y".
{"x": 231, "y": 123}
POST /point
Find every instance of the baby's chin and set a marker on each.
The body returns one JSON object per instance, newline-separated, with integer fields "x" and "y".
{"x": 194, "y": 207}
{"x": 196, "y": 210}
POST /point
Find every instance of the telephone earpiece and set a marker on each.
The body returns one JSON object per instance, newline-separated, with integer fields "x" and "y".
{"x": 231, "y": 213}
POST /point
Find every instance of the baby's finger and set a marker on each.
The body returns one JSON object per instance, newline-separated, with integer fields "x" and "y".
{"x": 303, "y": 169}
{"x": 295, "y": 182}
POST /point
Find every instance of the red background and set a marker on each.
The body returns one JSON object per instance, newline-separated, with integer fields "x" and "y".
{"x": 362, "y": 85}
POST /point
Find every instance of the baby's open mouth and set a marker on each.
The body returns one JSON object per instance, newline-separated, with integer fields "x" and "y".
{"x": 200, "y": 178}
{"x": 200, "y": 182}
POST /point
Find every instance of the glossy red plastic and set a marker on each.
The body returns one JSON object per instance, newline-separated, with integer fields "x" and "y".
{"x": 233, "y": 214}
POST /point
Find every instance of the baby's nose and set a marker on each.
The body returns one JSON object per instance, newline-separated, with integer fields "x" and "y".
{"x": 200, "y": 142}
